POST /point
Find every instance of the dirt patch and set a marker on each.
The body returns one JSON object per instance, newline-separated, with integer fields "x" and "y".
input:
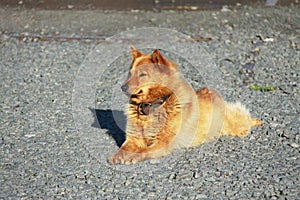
{"x": 132, "y": 4}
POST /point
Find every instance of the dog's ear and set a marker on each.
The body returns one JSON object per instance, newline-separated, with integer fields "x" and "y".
{"x": 157, "y": 57}
{"x": 135, "y": 53}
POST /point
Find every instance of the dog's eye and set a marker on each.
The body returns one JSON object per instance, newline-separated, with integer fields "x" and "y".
{"x": 142, "y": 75}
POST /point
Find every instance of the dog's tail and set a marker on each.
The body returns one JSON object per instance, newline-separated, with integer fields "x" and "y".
{"x": 238, "y": 121}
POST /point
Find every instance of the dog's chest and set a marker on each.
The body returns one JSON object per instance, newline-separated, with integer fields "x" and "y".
{"x": 150, "y": 118}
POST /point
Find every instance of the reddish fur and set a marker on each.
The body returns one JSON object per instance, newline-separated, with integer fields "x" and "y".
{"x": 186, "y": 118}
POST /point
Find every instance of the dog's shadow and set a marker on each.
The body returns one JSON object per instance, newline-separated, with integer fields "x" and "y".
{"x": 112, "y": 120}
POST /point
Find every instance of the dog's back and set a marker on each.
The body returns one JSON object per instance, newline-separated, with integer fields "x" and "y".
{"x": 218, "y": 118}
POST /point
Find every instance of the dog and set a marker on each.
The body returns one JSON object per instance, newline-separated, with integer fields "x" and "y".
{"x": 166, "y": 113}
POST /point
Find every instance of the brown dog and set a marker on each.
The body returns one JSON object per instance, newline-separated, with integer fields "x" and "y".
{"x": 165, "y": 113}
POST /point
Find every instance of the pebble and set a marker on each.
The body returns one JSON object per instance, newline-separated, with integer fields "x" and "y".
{"x": 196, "y": 175}
{"x": 294, "y": 145}
{"x": 225, "y": 9}
{"x": 201, "y": 196}
{"x": 172, "y": 176}
{"x": 154, "y": 161}
{"x": 70, "y": 6}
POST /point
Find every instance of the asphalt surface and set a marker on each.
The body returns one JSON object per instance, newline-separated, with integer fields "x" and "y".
{"x": 52, "y": 145}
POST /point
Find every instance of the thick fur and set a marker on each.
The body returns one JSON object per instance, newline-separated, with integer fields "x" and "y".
{"x": 165, "y": 113}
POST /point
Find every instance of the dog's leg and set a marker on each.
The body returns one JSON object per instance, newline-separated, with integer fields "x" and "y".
{"x": 128, "y": 151}
{"x": 131, "y": 152}
{"x": 156, "y": 150}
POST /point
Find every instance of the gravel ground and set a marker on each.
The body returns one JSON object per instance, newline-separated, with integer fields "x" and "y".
{"x": 44, "y": 154}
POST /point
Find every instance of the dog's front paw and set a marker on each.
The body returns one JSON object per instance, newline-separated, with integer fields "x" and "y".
{"x": 124, "y": 157}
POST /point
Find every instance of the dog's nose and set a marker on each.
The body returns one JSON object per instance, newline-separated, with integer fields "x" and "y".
{"x": 124, "y": 87}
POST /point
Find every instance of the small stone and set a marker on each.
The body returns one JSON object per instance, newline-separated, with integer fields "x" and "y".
{"x": 273, "y": 125}
{"x": 225, "y": 9}
{"x": 30, "y": 135}
{"x": 269, "y": 39}
{"x": 153, "y": 20}
{"x": 134, "y": 10}
{"x": 70, "y": 6}
{"x": 201, "y": 196}
{"x": 152, "y": 194}
{"x": 154, "y": 161}
{"x": 294, "y": 145}
{"x": 196, "y": 175}
{"x": 127, "y": 182}
{"x": 172, "y": 176}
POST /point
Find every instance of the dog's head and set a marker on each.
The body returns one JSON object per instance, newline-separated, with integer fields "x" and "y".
{"x": 147, "y": 70}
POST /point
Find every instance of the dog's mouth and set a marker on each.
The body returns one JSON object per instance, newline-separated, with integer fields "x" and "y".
{"x": 135, "y": 95}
